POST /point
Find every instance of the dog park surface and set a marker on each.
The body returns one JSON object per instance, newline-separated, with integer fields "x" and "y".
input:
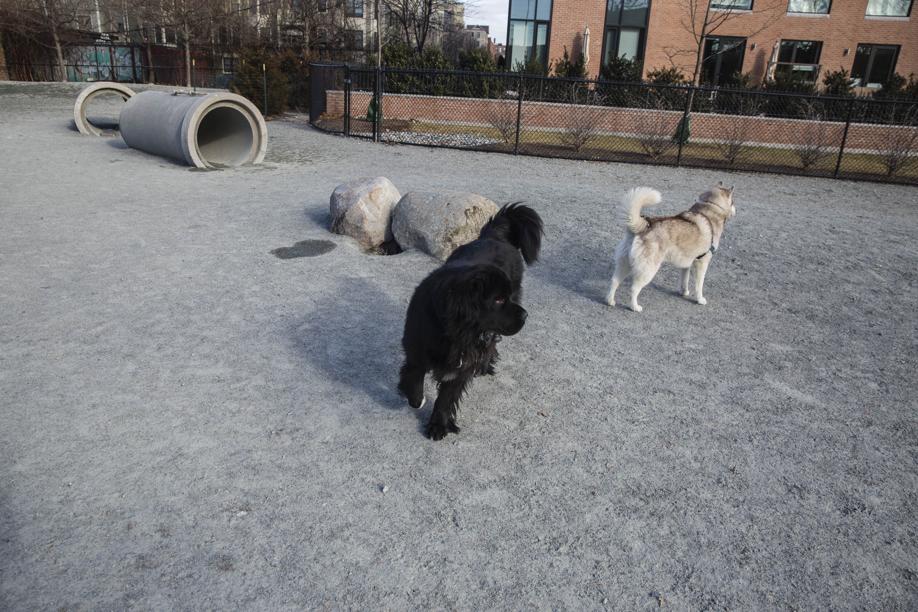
{"x": 190, "y": 421}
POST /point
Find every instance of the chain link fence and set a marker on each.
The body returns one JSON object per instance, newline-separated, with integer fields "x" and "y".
{"x": 843, "y": 137}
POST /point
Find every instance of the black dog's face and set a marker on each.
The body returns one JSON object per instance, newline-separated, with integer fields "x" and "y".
{"x": 480, "y": 298}
{"x": 502, "y": 315}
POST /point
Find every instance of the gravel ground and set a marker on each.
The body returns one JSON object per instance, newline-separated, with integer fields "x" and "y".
{"x": 190, "y": 421}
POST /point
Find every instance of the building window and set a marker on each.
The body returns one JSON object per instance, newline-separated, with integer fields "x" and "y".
{"x": 889, "y": 8}
{"x": 229, "y": 65}
{"x": 723, "y": 60}
{"x": 528, "y": 31}
{"x": 812, "y": 7}
{"x": 355, "y": 8}
{"x": 800, "y": 59}
{"x": 873, "y": 64}
{"x": 626, "y": 24}
{"x": 323, "y": 6}
{"x": 735, "y": 5}
{"x": 354, "y": 39}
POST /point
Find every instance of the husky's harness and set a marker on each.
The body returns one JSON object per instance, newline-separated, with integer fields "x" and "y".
{"x": 685, "y": 217}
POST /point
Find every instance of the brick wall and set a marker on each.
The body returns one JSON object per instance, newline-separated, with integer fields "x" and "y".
{"x": 766, "y": 131}
{"x": 843, "y": 28}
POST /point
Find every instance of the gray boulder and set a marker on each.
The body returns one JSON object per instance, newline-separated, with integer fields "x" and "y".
{"x": 362, "y": 209}
{"x": 437, "y": 223}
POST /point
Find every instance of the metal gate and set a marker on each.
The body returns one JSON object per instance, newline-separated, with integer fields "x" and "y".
{"x": 323, "y": 77}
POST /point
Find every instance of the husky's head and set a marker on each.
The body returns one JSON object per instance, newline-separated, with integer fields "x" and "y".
{"x": 720, "y": 196}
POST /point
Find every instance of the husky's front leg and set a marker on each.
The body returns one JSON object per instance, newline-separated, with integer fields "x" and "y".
{"x": 701, "y": 268}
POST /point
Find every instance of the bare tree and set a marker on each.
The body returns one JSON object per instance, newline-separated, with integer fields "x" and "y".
{"x": 417, "y": 21}
{"x": 901, "y": 146}
{"x": 584, "y": 116}
{"x": 655, "y": 128}
{"x": 48, "y": 23}
{"x": 732, "y": 140}
{"x": 813, "y": 147}
{"x": 501, "y": 115}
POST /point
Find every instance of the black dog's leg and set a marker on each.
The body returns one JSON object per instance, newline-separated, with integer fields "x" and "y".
{"x": 411, "y": 383}
{"x": 489, "y": 361}
{"x": 443, "y": 417}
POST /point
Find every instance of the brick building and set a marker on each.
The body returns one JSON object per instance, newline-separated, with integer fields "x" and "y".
{"x": 869, "y": 38}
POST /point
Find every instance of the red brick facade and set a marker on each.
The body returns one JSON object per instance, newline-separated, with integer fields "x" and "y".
{"x": 842, "y": 29}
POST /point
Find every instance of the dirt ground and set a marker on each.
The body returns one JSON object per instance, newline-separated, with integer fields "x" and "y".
{"x": 190, "y": 421}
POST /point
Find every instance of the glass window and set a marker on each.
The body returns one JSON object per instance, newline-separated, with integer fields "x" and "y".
{"x": 355, "y": 39}
{"x": 739, "y": 5}
{"x": 889, "y": 8}
{"x": 629, "y": 43}
{"x": 799, "y": 51}
{"x": 635, "y": 13}
{"x": 873, "y": 64}
{"x": 723, "y": 59}
{"x": 522, "y": 9}
{"x": 818, "y": 7}
{"x": 527, "y": 35}
{"x": 624, "y": 41}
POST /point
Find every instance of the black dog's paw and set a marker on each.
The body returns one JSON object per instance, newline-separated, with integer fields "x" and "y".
{"x": 415, "y": 398}
{"x": 452, "y": 427}
{"x": 437, "y": 430}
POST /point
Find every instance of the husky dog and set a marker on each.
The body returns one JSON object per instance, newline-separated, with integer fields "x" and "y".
{"x": 687, "y": 240}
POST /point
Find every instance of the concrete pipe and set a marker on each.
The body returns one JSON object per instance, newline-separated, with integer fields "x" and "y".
{"x": 87, "y": 95}
{"x": 208, "y": 131}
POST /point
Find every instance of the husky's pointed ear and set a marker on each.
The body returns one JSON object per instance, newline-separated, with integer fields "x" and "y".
{"x": 720, "y": 183}
{"x": 731, "y": 188}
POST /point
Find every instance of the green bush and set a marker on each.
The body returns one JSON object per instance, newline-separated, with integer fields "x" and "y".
{"x": 837, "y": 83}
{"x": 892, "y": 88}
{"x": 477, "y": 60}
{"x": 251, "y": 82}
{"x": 296, "y": 68}
{"x": 621, "y": 69}
{"x": 667, "y": 76}
{"x": 570, "y": 68}
{"x": 790, "y": 82}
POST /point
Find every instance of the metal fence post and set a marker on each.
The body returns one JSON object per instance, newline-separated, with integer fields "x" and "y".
{"x": 841, "y": 149}
{"x": 519, "y": 115}
{"x": 347, "y": 100}
{"x": 377, "y": 95}
{"x": 682, "y": 127}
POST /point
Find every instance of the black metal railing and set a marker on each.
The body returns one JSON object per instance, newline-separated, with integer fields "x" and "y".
{"x": 792, "y": 133}
{"x": 122, "y": 73}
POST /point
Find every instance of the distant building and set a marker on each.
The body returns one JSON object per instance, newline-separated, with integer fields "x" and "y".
{"x": 479, "y": 35}
{"x": 871, "y": 39}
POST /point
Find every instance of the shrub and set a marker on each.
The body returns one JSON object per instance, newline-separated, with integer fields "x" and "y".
{"x": 567, "y": 67}
{"x": 790, "y": 82}
{"x": 296, "y": 68}
{"x": 477, "y": 60}
{"x": 250, "y": 82}
{"x": 621, "y": 69}
{"x": 667, "y": 76}
{"x": 583, "y": 118}
{"x": 837, "y": 83}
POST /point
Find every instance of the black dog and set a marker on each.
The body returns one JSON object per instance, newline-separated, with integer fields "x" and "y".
{"x": 458, "y": 313}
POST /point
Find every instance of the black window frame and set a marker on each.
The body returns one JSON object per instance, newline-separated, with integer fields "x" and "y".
{"x": 907, "y": 14}
{"x": 790, "y": 12}
{"x": 793, "y": 59}
{"x": 729, "y": 7}
{"x": 720, "y": 55}
{"x": 617, "y": 27}
{"x": 350, "y": 39}
{"x": 864, "y": 81}
{"x": 536, "y": 22}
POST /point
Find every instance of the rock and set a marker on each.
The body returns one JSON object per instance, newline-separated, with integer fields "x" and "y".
{"x": 437, "y": 223}
{"x": 362, "y": 209}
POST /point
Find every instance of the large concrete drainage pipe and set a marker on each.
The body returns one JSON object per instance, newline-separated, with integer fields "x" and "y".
{"x": 208, "y": 131}
{"x": 103, "y": 88}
